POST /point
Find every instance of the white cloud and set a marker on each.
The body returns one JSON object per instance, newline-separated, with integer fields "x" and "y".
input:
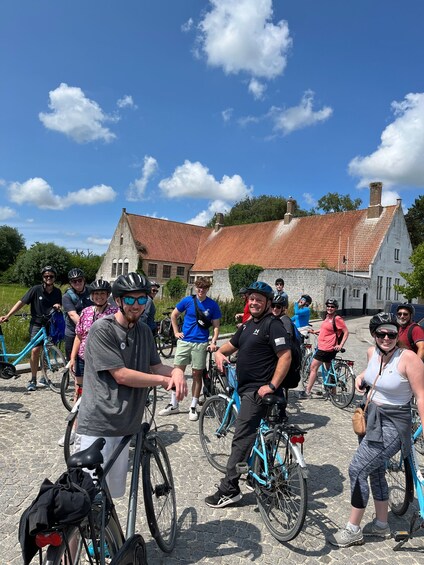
{"x": 298, "y": 117}
{"x": 202, "y": 218}
{"x": 227, "y": 114}
{"x": 6, "y": 213}
{"x": 75, "y": 115}
{"x": 238, "y": 35}
{"x": 187, "y": 26}
{"x": 193, "y": 180}
{"x": 389, "y": 197}
{"x": 309, "y": 199}
{"x": 98, "y": 240}
{"x": 126, "y": 102}
{"x": 398, "y": 160}
{"x": 257, "y": 89}
{"x": 39, "y": 193}
{"x": 137, "y": 189}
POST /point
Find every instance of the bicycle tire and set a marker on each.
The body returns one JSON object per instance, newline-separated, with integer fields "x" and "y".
{"x": 67, "y": 390}
{"x": 416, "y": 422}
{"x": 400, "y": 482}
{"x": 133, "y": 552}
{"x": 150, "y": 407}
{"x": 52, "y": 369}
{"x": 166, "y": 346}
{"x": 68, "y": 447}
{"x": 60, "y": 555}
{"x": 305, "y": 367}
{"x": 159, "y": 494}
{"x": 341, "y": 395}
{"x": 217, "y": 444}
{"x": 283, "y": 502}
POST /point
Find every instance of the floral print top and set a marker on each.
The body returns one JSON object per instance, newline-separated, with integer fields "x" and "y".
{"x": 87, "y": 318}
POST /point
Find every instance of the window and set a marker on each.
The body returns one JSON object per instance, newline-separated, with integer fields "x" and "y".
{"x": 166, "y": 271}
{"x": 114, "y": 266}
{"x": 152, "y": 270}
{"x": 379, "y": 288}
{"x": 120, "y": 267}
{"x": 121, "y": 239}
{"x": 126, "y": 267}
{"x": 397, "y": 255}
{"x": 355, "y": 293}
{"x": 396, "y": 296}
{"x": 191, "y": 279}
{"x": 180, "y": 271}
{"x": 388, "y": 287}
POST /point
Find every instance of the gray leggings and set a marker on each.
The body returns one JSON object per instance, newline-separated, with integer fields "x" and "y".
{"x": 370, "y": 461}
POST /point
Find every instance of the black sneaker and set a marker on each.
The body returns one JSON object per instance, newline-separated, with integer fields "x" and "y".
{"x": 220, "y": 500}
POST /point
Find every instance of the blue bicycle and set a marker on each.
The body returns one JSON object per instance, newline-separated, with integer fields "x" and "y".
{"x": 52, "y": 360}
{"x": 276, "y": 468}
{"x": 404, "y": 477}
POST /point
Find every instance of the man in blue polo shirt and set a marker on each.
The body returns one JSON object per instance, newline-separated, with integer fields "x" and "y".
{"x": 201, "y": 313}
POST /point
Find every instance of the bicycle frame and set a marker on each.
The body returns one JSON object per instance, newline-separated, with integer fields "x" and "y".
{"x": 40, "y": 337}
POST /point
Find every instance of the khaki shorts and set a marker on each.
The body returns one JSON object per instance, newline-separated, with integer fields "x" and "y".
{"x": 189, "y": 353}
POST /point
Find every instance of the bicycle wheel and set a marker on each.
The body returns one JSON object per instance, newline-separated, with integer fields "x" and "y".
{"x": 69, "y": 446}
{"x": 400, "y": 482}
{"x": 216, "y": 430}
{"x": 416, "y": 422}
{"x": 166, "y": 346}
{"x": 282, "y": 501}
{"x": 74, "y": 551}
{"x": 67, "y": 390}
{"x": 133, "y": 552}
{"x": 150, "y": 408}
{"x": 159, "y": 494}
{"x": 305, "y": 367}
{"x": 52, "y": 367}
{"x": 343, "y": 391}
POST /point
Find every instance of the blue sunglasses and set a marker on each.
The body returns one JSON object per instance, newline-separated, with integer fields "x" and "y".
{"x": 130, "y": 300}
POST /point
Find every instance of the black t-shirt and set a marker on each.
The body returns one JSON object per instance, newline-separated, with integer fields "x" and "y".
{"x": 258, "y": 344}
{"x": 41, "y": 302}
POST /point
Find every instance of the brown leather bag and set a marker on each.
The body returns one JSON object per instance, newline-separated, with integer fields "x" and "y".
{"x": 359, "y": 422}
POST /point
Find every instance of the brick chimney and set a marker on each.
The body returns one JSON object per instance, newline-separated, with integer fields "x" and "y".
{"x": 290, "y": 211}
{"x": 219, "y": 221}
{"x": 375, "y": 208}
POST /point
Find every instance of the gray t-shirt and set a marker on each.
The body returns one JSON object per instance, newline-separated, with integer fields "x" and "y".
{"x": 108, "y": 409}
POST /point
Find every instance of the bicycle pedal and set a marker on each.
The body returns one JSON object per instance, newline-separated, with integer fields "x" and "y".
{"x": 401, "y": 535}
{"x": 242, "y": 468}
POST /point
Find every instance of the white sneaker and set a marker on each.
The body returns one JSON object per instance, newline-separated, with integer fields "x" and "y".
{"x": 61, "y": 442}
{"x": 170, "y": 409}
{"x": 193, "y": 415}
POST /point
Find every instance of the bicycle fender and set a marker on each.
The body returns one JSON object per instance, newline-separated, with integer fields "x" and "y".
{"x": 299, "y": 458}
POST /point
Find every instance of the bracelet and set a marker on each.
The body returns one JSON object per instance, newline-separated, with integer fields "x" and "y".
{"x": 272, "y": 387}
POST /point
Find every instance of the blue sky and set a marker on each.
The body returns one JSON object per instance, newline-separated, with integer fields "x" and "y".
{"x": 179, "y": 108}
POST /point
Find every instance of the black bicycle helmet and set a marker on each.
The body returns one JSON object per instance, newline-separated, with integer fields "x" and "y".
{"x": 332, "y": 302}
{"x": 75, "y": 274}
{"x": 133, "y": 282}
{"x": 381, "y": 319}
{"x": 280, "y": 300}
{"x": 154, "y": 283}
{"x": 100, "y": 284}
{"x": 48, "y": 269}
{"x": 261, "y": 288}
{"x": 307, "y": 299}
{"x": 406, "y": 306}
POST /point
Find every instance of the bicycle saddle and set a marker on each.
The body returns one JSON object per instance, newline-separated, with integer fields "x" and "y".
{"x": 89, "y": 458}
{"x": 273, "y": 399}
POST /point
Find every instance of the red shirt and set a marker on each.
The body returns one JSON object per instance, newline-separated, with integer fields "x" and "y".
{"x": 327, "y": 338}
{"x": 417, "y": 335}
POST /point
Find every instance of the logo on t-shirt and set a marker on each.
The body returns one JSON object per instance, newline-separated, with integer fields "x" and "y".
{"x": 123, "y": 346}
{"x": 280, "y": 341}
{"x": 256, "y": 332}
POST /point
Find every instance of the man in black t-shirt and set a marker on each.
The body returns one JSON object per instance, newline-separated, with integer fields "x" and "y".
{"x": 42, "y": 298}
{"x": 263, "y": 360}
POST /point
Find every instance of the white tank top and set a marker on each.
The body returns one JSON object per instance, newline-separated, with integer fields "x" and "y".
{"x": 391, "y": 387}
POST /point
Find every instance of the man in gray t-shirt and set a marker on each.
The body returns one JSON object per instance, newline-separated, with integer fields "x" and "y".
{"x": 121, "y": 362}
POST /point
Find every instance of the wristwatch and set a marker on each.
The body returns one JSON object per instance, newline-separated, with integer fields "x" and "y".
{"x": 272, "y": 387}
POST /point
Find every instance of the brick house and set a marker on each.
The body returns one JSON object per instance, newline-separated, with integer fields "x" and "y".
{"x": 354, "y": 256}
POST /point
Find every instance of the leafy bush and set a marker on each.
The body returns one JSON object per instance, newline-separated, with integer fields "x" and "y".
{"x": 29, "y": 263}
{"x": 175, "y": 288}
{"x": 242, "y": 276}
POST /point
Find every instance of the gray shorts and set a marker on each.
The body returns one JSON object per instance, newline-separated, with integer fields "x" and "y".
{"x": 189, "y": 353}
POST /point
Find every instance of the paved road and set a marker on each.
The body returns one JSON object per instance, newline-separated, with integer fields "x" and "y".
{"x": 31, "y": 423}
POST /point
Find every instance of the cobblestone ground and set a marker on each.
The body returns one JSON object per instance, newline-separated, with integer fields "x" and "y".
{"x": 31, "y": 424}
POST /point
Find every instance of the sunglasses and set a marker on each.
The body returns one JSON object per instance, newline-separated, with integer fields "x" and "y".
{"x": 389, "y": 335}
{"x": 330, "y": 306}
{"x": 154, "y": 291}
{"x": 77, "y": 280}
{"x": 277, "y": 306}
{"x": 130, "y": 300}
{"x": 403, "y": 314}
{"x": 48, "y": 277}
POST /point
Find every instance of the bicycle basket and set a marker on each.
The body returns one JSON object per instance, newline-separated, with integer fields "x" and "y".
{"x": 230, "y": 371}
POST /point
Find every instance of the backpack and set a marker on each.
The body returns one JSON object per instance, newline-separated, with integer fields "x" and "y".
{"x": 339, "y": 333}
{"x": 411, "y": 341}
{"x": 57, "y": 327}
{"x": 293, "y": 376}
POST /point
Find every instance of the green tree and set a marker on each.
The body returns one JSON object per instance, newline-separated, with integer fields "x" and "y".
{"x": 257, "y": 209}
{"x": 29, "y": 264}
{"x": 87, "y": 261}
{"x": 415, "y": 221}
{"x": 414, "y": 287}
{"x": 242, "y": 276}
{"x": 11, "y": 244}
{"x": 335, "y": 202}
{"x": 175, "y": 288}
